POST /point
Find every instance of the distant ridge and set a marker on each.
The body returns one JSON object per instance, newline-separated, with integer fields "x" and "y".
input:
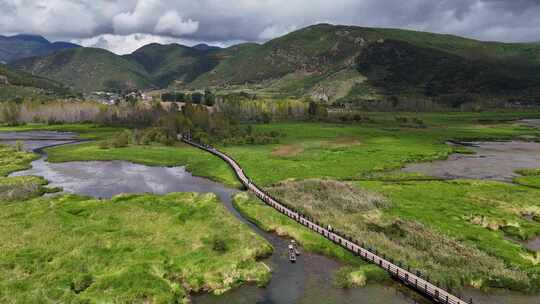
{"x": 23, "y": 46}
{"x": 205, "y": 47}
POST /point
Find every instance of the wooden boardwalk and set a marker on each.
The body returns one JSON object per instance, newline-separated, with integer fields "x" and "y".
{"x": 408, "y": 278}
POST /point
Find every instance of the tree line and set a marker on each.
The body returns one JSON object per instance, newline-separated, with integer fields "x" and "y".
{"x": 206, "y": 98}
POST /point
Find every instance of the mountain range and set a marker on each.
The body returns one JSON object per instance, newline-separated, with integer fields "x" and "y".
{"x": 23, "y": 46}
{"x": 333, "y": 63}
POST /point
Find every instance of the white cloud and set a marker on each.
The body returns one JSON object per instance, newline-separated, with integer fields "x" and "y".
{"x": 172, "y": 24}
{"x": 275, "y": 31}
{"x": 126, "y": 44}
{"x": 259, "y": 20}
{"x": 139, "y": 19}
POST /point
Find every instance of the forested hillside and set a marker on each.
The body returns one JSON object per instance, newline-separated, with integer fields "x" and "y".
{"x": 17, "y": 85}
{"x": 353, "y": 64}
{"x": 89, "y": 69}
{"x": 340, "y": 65}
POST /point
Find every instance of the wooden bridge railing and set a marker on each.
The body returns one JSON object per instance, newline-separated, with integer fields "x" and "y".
{"x": 413, "y": 280}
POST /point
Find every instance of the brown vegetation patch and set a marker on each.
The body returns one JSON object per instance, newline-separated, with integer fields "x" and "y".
{"x": 342, "y": 142}
{"x": 287, "y": 150}
{"x": 329, "y": 196}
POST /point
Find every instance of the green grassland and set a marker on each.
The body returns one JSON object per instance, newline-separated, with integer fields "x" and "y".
{"x": 347, "y": 152}
{"x": 310, "y": 150}
{"x": 22, "y": 187}
{"x": 12, "y": 160}
{"x": 530, "y": 177}
{"x": 130, "y": 249}
{"x": 490, "y": 218}
{"x": 460, "y": 233}
{"x": 435, "y": 226}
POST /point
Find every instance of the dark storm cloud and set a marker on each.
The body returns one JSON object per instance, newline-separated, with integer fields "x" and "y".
{"x": 109, "y": 22}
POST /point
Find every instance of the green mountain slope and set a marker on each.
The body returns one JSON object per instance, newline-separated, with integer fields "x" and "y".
{"x": 400, "y": 68}
{"x": 88, "y": 69}
{"x": 17, "y": 85}
{"x": 341, "y": 63}
{"x": 166, "y": 64}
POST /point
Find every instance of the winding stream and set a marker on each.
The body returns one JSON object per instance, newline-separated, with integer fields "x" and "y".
{"x": 309, "y": 280}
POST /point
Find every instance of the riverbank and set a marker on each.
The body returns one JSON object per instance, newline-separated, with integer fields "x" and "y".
{"x": 128, "y": 248}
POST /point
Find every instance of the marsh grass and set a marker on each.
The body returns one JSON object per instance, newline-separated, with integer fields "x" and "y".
{"x": 21, "y": 188}
{"x": 130, "y": 249}
{"x": 12, "y": 160}
{"x": 444, "y": 225}
{"x": 18, "y": 188}
{"x": 267, "y": 219}
{"x": 530, "y": 178}
{"x": 444, "y": 229}
{"x": 429, "y": 226}
{"x": 328, "y": 196}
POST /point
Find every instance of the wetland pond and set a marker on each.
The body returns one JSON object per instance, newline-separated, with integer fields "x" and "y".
{"x": 491, "y": 160}
{"x": 309, "y": 280}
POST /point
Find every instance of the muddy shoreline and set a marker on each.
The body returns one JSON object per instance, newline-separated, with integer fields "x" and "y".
{"x": 496, "y": 160}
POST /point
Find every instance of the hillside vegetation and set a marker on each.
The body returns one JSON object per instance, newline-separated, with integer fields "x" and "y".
{"x": 357, "y": 64}
{"x": 166, "y": 64}
{"x": 346, "y": 66}
{"x": 88, "y": 69}
{"x": 16, "y": 85}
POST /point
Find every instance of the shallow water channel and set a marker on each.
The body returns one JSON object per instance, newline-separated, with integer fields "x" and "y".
{"x": 495, "y": 160}
{"x": 491, "y": 160}
{"x": 309, "y": 280}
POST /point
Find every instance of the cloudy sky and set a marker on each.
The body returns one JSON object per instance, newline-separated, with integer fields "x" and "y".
{"x": 124, "y": 25}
